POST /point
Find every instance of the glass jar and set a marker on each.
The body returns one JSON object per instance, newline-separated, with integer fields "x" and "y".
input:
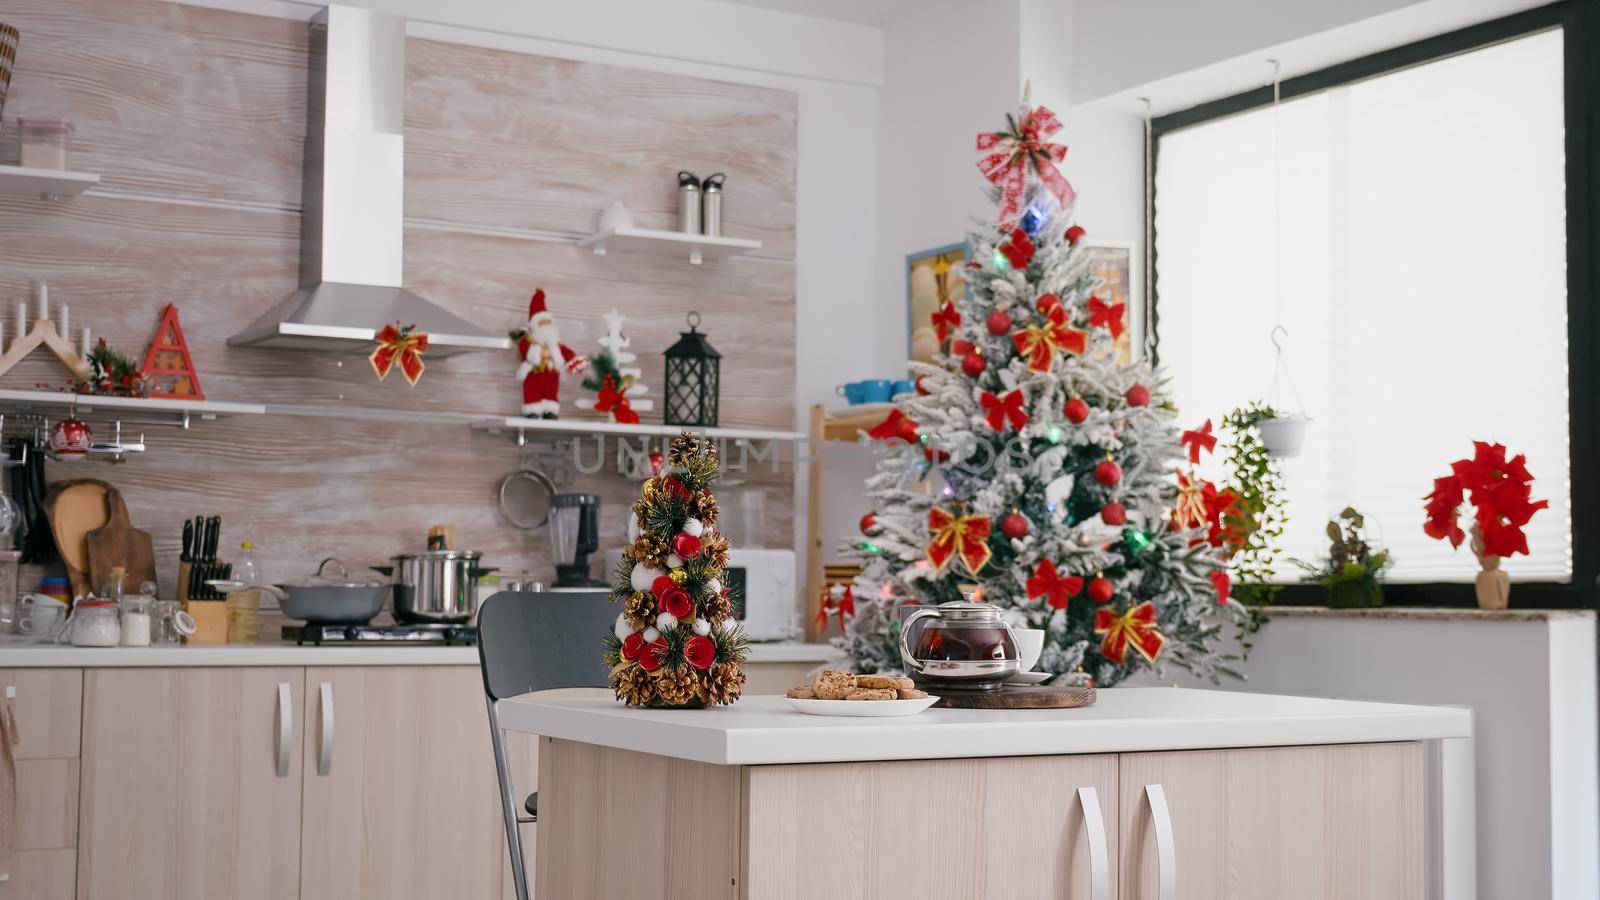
{"x": 136, "y": 621}
{"x": 44, "y": 141}
{"x": 96, "y": 623}
{"x": 171, "y": 623}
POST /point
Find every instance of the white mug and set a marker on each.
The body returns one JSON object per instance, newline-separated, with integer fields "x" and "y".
{"x": 1030, "y": 645}
{"x": 40, "y": 615}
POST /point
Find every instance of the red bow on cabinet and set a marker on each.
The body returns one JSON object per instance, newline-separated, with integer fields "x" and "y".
{"x": 1046, "y": 582}
{"x": 1106, "y": 315}
{"x": 964, "y": 536}
{"x": 1039, "y": 343}
{"x": 1022, "y": 145}
{"x": 1019, "y": 250}
{"x": 945, "y": 319}
{"x": 1199, "y": 439}
{"x": 403, "y": 346}
{"x": 615, "y": 402}
{"x": 1135, "y": 628}
{"x": 1000, "y": 410}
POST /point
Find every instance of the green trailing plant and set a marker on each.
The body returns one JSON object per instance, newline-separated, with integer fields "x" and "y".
{"x": 1258, "y": 516}
{"x": 1354, "y": 569}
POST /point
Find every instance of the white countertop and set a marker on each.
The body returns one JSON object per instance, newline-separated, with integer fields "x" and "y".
{"x": 764, "y": 729}
{"x": 15, "y": 655}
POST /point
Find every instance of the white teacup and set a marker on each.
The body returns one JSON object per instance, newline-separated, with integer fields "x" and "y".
{"x": 39, "y": 615}
{"x": 1030, "y": 643}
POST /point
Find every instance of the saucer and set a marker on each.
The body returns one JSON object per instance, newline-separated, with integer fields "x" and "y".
{"x": 1030, "y": 678}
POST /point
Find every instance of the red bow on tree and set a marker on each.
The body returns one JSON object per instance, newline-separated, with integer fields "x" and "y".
{"x": 1223, "y": 584}
{"x": 1106, "y": 315}
{"x": 999, "y": 410}
{"x": 1019, "y": 147}
{"x": 1197, "y": 440}
{"x": 891, "y": 427}
{"x": 1135, "y": 628}
{"x": 403, "y": 345}
{"x": 1019, "y": 250}
{"x": 945, "y": 320}
{"x": 1048, "y": 583}
{"x": 615, "y": 402}
{"x": 1039, "y": 343}
{"x": 964, "y": 536}
{"x": 1195, "y": 499}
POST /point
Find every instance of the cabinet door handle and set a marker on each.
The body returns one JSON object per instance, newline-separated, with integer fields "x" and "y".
{"x": 1166, "y": 851}
{"x": 325, "y": 749}
{"x": 1099, "y": 861}
{"x": 285, "y": 727}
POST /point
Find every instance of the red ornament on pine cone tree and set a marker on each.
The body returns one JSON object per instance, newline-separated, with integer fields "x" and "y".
{"x": 1100, "y": 590}
{"x": 1107, "y": 473}
{"x": 869, "y": 522}
{"x": 1077, "y": 410}
{"x": 1015, "y": 526}
{"x": 653, "y": 655}
{"x": 1114, "y": 513}
{"x": 686, "y": 545}
{"x": 999, "y": 323}
{"x": 1075, "y": 234}
{"x": 1138, "y": 395}
{"x": 632, "y": 646}
{"x": 973, "y": 365}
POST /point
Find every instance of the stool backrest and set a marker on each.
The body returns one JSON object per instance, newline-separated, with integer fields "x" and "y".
{"x": 539, "y": 641}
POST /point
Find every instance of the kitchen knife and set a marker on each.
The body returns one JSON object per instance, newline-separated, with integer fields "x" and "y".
{"x": 188, "y": 542}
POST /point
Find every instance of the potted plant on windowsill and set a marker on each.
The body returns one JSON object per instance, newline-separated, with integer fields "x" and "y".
{"x": 1354, "y": 570}
{"x": 1501, "y": 493}
{"x": 1257, "y": 518}
{"x": 1282, "y": 435}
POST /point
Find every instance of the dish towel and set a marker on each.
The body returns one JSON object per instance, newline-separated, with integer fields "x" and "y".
{"x": 8, "y": 787}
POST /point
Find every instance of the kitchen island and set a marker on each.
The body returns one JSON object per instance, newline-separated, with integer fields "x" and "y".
{"x": 1152, "y": 792}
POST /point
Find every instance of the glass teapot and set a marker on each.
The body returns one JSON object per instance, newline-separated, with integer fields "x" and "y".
{"x": 960, "y": 645}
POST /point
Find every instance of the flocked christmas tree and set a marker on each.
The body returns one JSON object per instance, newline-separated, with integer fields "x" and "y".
{"x": 1035, "y": 469}
{"x": 675, "y": 642}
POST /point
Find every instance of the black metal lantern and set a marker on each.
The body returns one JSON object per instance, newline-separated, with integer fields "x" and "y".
{"x": 693, "y": 378}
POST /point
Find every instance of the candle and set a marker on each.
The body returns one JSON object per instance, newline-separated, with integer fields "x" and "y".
{"x": 44, "y": 301}
{"x": 66, "y": 327}
{"x": 85, "y": 351}
{"x": 22, "y": 318}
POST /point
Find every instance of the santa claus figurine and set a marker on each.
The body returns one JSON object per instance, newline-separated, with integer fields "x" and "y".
{"x": 543, "y": 357}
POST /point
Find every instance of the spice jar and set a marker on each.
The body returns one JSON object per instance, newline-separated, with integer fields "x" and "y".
{"x": 44, "y": 141}
{"x": 95, "y": 623}
{"x": 136, "y": 621}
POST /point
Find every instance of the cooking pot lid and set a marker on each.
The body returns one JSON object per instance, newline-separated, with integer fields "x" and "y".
{"x": 969, "y": 610}
{"x": 340, "y": 579}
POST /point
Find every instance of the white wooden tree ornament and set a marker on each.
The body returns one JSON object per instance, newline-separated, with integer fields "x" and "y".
{"x": 616, "y": 343}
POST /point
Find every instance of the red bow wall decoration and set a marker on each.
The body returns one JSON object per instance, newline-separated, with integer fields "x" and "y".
{"x": 1023, "y": 145}
{"x": 615, "y": 401}
{"x": 1000, "y": 410}
{"x": 1135, "y": 628}
{"x": 1106, "y": 315}
{"x": 1048, "y": 583}
{"x": 945, "y": 319}
{"x": 402, "y": 345}
{"x": 1199, "y": 439}
{"x": 964, "y": 536}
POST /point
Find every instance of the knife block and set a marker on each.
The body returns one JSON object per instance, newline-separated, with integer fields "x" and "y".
{"x": 210, "y": 621}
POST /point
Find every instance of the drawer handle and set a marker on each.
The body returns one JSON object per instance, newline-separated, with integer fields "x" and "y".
{"x": 1099, "y": 860}
{"x": 285, "y": 727}
{"x": 1166, "y": 852}
{"x": 325, "y": 750}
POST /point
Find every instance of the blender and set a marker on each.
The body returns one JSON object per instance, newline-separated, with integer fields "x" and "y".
{"x": 574, "y": 536}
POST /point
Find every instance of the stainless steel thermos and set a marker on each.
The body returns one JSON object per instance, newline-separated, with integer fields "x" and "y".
{"x": 700, "y": 204}
{"x": 711, "y": 203}
{"x": 688, "y": 203}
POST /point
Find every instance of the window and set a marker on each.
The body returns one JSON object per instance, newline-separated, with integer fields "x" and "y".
{"x": 1424, "y": 286}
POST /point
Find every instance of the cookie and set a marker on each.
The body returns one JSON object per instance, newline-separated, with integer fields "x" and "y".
{"x": 911, "y": 694}
{"x": 880, "y": 682}
{"x": 804, "y": 692}
{"x": 871, "y": 694}
{"x": 834, "y": 684}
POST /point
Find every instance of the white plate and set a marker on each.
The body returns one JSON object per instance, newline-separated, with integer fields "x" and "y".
{"x": 858, "y": 708}
{"x": 1029, "y": 678}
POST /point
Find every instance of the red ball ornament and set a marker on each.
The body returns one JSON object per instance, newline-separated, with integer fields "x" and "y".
{"x": 1047, "y": 303}
{"x": 1015, "y": 526}
{"x": 922, "y": 388}
{"x": 1100, "y": 590}
{"x": 1107, "y": 473}
{"x": 1114, "y": 513}
{"x": 1138, "y": 395}
{"x": 999, "y": 323}
{"x": 1077, "y": 410}
{"x": 1075, "y": 234}
{"x": 686, "y": 545}
{"x": 961, "y": 347}
{"x": 869, "y": 522}
{"x": 972, "y": 365}
{"x": 907, "y": 431}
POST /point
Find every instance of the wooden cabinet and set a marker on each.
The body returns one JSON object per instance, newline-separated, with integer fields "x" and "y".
{"x": 1339, "y": 821}
{"x": 190, "y": 789}
{"x": 47, "y": 705}
{"x": 407, "y": 805}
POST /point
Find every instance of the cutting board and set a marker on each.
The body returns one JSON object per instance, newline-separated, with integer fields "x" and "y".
{"x": 118, "y": 543}
{"x": 75, "y": 508}
{"x": 1036, "y": 696}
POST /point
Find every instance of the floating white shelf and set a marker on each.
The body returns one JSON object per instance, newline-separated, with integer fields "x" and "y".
{"x": 47, "y": 184}
{"x": 522, "y": 427}
{"x": 697, "y": 247}
{"x": 87, "y": 403}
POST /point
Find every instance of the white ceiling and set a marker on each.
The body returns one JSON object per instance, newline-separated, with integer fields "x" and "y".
{"x": 864, "y": 12}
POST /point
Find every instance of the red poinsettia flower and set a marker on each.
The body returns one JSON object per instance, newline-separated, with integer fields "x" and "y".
{"x": 1500, "y": 489}
{"x": 700, "y": 652}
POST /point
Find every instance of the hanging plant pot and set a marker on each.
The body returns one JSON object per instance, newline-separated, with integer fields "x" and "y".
{"x": 1283, "y": 436}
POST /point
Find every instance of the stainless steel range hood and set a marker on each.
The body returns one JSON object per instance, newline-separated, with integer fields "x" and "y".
{"x": 352, "y": 197}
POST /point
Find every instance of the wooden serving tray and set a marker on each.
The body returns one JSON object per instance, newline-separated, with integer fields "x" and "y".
{"x": 1018, "y": 696}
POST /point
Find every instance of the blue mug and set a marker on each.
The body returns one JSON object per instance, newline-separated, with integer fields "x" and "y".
{"x": 903, "y": 386}
{"x": 872, "y": 390}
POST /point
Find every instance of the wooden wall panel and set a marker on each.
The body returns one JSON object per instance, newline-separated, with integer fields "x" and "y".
{"x": 199, "y": 113}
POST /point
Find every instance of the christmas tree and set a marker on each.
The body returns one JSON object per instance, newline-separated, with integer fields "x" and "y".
{"x": 1036, "y": 470}
{"x": 675, "y": 643}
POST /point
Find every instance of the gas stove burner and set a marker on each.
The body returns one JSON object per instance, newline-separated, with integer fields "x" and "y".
{"x": 320, "y": 635}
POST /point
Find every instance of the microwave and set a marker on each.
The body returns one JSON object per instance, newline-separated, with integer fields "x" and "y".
{"x": 761, "y": 584}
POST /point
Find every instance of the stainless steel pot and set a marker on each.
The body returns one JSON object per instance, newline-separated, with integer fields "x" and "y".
{"x": 435, "y": 586}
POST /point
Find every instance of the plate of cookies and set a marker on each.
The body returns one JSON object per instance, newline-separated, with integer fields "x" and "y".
{"x": 837, "y": 692}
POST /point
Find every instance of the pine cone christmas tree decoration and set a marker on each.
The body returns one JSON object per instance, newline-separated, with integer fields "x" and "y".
{"x": 716, "y": 607}
{"x": 650, "y": 550}
{"x": 722, "y": 684}
{"x": 716, "y": 551}
{"x": 686, "y": 447}
{"x": 633, "y": 686}
{"x": 640, "y": 610}
{"x": 678, "y": 687}
{"x": 704, "y": 508}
